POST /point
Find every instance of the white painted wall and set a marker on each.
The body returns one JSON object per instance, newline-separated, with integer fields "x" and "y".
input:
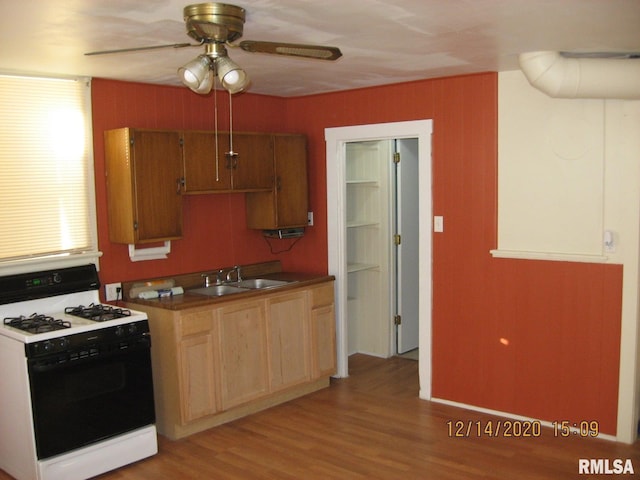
{"x": 569, "y": 169}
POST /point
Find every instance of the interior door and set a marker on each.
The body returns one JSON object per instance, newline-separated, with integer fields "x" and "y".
{"x": 408, "y": 250}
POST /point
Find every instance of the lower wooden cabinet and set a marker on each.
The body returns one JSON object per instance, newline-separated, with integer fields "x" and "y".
{"x": 323, "y": 330}
{"x": 288, "y": 329}
{"x": 214, "y": 364}
{"x": 196, "y": 366}
{"x": 242, "y": 353}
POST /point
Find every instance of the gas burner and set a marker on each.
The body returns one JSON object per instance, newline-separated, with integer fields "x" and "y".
{"x": 98, "y": 312}
{"x": 36, "y": 323}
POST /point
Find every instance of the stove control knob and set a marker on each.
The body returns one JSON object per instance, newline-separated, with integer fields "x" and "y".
{"x": 48, "y": 346}
{"x": 119, "y": 331}
{"x": 133, "y": 328}
{"x": 63, "y": 342}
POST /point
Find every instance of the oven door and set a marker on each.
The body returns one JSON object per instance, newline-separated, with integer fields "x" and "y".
{"x": 85, "y": 397}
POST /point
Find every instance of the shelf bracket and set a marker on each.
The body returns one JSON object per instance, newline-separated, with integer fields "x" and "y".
{"x": 153, "y": 253}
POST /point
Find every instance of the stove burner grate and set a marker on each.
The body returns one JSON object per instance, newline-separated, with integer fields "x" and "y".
{"x": 98, "y": 312}
{"x": 36, "y": 323}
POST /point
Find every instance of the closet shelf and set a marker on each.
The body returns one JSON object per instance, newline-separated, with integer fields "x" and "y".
{"x": 359, "y": 267}
{"x": 362, "y": 223}
{"x": 364, "y": 183}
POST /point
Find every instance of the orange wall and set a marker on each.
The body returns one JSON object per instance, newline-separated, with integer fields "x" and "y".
{"x": 560, "y": 321}
{"x": 533, "y": 338}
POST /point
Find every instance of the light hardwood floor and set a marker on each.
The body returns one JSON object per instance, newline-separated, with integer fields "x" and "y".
{"x": 369, "y": 426}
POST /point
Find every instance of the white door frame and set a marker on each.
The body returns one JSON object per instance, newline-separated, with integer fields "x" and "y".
{"x": 336, "y": 140}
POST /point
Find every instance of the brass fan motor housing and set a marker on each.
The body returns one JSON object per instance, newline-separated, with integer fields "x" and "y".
{"x": 214, "y": 22}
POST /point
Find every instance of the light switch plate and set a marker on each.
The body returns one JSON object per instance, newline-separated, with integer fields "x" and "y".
{"x": 310, "y": 219}
{"x": 438, "y": 224}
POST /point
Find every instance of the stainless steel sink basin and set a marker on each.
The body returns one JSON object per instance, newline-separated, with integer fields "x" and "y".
{"x": 259, "y": 283}
{"x": 217, "y": 290}
{"x": 238, "y": 287}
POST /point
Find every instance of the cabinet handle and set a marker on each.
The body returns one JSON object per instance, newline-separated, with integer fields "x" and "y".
{"x": 232, "y": 160}
{"x": 179, "y": 184}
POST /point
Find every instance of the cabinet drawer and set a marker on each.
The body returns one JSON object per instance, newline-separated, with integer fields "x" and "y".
{"x": 196, "y": 322}
{"x": 322, "y": 295}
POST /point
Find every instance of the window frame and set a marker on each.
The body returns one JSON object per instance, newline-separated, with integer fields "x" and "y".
{"x": 41, "y": 262}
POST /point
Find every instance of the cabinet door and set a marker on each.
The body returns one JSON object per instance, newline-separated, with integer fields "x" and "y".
{"x": 157, "y": 166}
{"x": 242, "y": 352}
{"x": 288, "y": 328}
{"x": 285, "y": 206}
{"x": 323, "y": 330}
{"x": 323, "y": 341}
{"x": 203, "y": 171}
{"x": 197, "y": 389}
{"x": 291, "y": 191}
{"x": 196, "y": 364}
{"x": 253, "y": 167}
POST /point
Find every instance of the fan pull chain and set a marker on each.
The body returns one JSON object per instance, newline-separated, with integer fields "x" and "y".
{"x": 215, "y": 124}
{"x": 231, "y": 155}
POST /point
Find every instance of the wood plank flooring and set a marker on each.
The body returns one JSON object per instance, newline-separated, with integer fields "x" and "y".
{"x": 371, "y": 425}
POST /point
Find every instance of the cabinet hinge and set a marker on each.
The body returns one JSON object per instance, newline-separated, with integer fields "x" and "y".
{"x": 397, "y": 319}
{"x": 135, "y": 225}
{"x": 397, "y": 239}
{"x": 396, "y": 157}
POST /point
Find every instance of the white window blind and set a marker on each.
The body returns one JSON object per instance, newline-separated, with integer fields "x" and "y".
{"x": 47, "y": 200}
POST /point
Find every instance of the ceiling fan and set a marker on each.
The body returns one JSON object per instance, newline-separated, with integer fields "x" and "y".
{"x": 215, "y": 26}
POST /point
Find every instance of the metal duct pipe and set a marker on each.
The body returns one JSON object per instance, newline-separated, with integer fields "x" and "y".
{"x": 563, "y": 77}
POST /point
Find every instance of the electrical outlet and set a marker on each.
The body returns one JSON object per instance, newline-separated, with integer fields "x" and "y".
{"x": 113, "y": 291}
{"x": 310, "y": 219}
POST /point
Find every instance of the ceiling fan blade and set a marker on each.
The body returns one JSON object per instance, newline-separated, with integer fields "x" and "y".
{"x": 135, "y": 49}
{"x": 319, "y": 52}
{"x": 615, "y": 55}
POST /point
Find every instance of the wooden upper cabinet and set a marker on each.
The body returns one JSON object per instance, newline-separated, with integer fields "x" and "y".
{"x": 286, "y": 204}
{"x": 250, "y": 170}
{"x": 203, "y": 171}
{"x": 144, "y": 176}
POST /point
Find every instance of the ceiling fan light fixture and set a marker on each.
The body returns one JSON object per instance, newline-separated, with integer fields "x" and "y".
{"x": 195, "y": 73}
{"x": 206, "y": 85}
{"x": 233, "y": 78}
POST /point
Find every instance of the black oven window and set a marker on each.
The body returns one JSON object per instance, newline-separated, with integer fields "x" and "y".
{"x": 75, "y": 405}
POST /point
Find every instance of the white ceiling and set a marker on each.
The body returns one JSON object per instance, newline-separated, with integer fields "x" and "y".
{"x": 382, "y": 41}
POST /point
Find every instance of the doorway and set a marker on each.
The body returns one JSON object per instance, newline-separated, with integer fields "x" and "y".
{"x": 337, "y": 140}
{"x": 406, "y": 216}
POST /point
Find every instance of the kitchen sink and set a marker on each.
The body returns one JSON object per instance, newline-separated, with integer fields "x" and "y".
{"x": 238, "y": 287}
{"x": 259, "y": 283}
{"x": 217, "y": 290}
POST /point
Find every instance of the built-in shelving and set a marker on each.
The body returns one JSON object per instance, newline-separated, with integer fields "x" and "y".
{"x": 367, "y": 212}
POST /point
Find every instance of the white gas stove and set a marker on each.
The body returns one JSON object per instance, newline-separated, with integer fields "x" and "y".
{"x": 78, "y": 378}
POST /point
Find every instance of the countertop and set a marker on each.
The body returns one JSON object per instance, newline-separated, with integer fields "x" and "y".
{"x": 190, "y": 300}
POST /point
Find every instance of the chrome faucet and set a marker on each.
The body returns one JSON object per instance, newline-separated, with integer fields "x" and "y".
{"x": 235, "y": 269}
{"x": 207, "y": 278}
